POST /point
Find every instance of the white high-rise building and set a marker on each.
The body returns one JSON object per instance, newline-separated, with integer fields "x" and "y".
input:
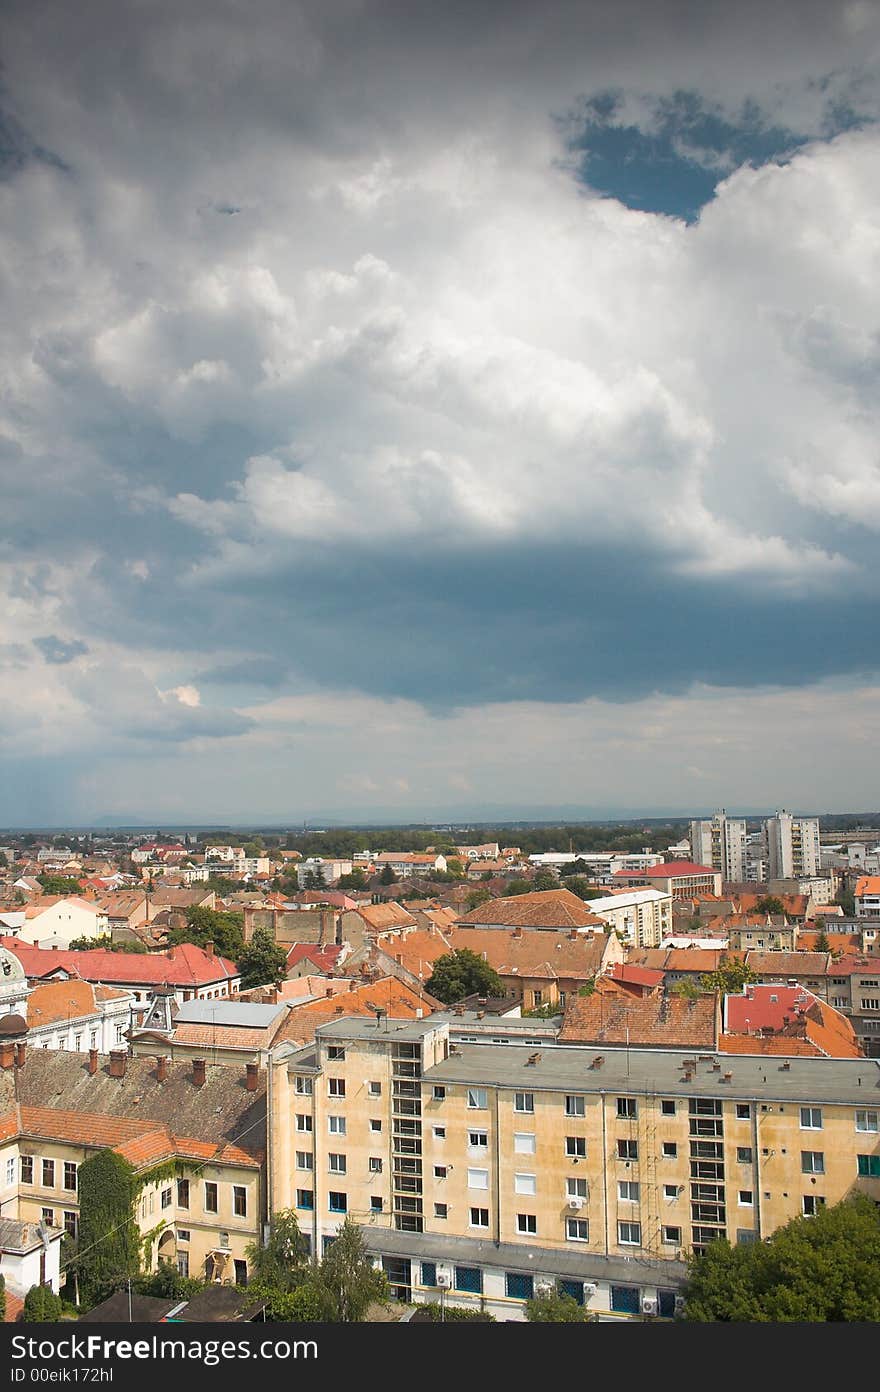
{"x": 720, "y": 843}
{"x": 792, "y": 846}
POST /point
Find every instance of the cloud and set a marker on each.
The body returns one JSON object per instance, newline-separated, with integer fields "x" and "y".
{"x": 324, "y": 374}
{"x": 56, "y": 650}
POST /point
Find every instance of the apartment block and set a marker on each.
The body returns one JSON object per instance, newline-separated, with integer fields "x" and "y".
{"x": 721, "y": 843}
{"x": 480, "y": 1172}
{"x": 792, "y": 846}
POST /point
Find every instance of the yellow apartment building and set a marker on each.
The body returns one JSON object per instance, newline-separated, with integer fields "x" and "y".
{"x": 480, "y": 1172}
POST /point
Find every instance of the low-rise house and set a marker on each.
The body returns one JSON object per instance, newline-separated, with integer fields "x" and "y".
{"x": 56, "y": 920}
{"x": 648, "y": 1018}
{"x": 808, "y": 969}
{"x": 221, "y": 1031}
{"x": 866, "y": 896}
{"x": 30, "y": 1255}
{"x": 540, "y": 968}
{"x": 77, "y": 1016}
{"x": 772, "y": 931}
{"x": 383, "y": 999}
{"x": 785, "y": 1020}
{"x": 405, "y": 864}
{"x": 546, "y": 910}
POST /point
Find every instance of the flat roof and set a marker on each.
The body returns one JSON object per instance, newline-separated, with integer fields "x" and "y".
{"x": 541, "y": 1261}
{"x": 361, "y": 1027}
{"x": 563, "y": 1068}
{"x": 245, "y": 1014}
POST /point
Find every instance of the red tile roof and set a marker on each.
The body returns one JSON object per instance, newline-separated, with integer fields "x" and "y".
{"x": 184, "y": 965}
{"x": 670, "y": 869}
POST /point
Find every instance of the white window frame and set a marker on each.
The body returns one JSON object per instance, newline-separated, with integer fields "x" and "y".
{"x": 525, "y": 1184}
{"x": 524, "y": 1102}
{"x": 573, "y": 1229}
{"x": 477, "y": 1099}
{"x": 524, "y": 1142}
{"x": 628, "y": 1226}
{"x": 475, "y": 1179}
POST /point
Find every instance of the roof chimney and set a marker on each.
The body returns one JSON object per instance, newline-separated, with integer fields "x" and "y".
{"x": 573, "y": 934}
{"x": 328, "y": 991}
{"x": 161, "y": 1068}
{"x": 7, "y": 1054}
{"x": 209, "y": 949}
{"x": 20, "y": 1053}
{"x": 117, "y": 1063}
{"x": 199, "y": 1072}
{"x": 93, "y": 1060}
{"x": 251, "y": 1077}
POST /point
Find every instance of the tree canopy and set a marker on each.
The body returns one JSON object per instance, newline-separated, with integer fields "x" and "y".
{"x": 462, "y": 973}
{"x": 729, "y": 977}
{"x": 770, "y": 904}
{"x": 262, "y": 962}
{"x": 554, "y": 1307}
{"x": 203, "y": 925}
{"x": 818, "y": 1269}
{"x": 346, "y": 1279}
{"x": 284, "y": 1261}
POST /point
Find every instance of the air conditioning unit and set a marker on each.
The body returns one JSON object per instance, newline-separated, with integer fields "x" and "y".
{"x": 576, "y": 1202}
{"x": 544, "y": 1287}
{"x": 679, "y": 1304}
{"x": 649, "y": 1305}
{"x": 444, "y": 1277}
{"x": 590, "y": 1288}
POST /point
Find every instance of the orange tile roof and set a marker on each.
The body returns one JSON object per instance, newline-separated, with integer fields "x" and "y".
{"x": 523, "y": 953}
{"x": 61, "y": 1000}
{"x": 141, "y": 1142}
{"x": 388, "y": 994}
{"x": 416, "y": 950}
{"x": 652, "y": 1020}
{"x": 545, "y": 908}
{"x": 867, "y": 884}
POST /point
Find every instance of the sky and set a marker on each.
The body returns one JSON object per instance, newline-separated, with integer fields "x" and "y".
{"x": 417, "y": 411}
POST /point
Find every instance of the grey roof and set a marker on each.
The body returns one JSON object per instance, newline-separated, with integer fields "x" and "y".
{"x": 244, "y": 1014}
{"x": 221, "y": 1109}
{"x": 362, "y": 1027}
{"x": 21, "y": 1237}
{"x": 565, "y": 1069}
{"x": 540, "y": 1261}
{"x": 120, "y": 1308}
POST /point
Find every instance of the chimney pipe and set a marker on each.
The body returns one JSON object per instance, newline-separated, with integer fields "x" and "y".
{"x": 209, "y": 949}
{"x": 20, "y": 1053}
{"x": 251, "y": 1079}
{"x": 7, "y": 1054}
{"x": 93, "y": 1060}
{"x": 117, "y": 1063}
{"x": 199, "y": 1072}
{"x": 161, "y": 1068}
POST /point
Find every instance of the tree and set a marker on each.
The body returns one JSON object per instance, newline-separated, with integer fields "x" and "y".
{"x": 729, "y": 977}
{"x": 262, "y": 962}
{"x": 104, "y": 940}
{"x": 554, "y": 1307}
{"x": 462, "y": 973}
{"x": 770, "y": 904}
{"x": 478, "y": 897}
{"x": 687, "y": 988}
{"x": 545, "y": 879}
{"x": 582, "y": 888}
{"x": 42, "y": 1306}
{"x": 822, "y": 943}
{"x": 355, "y": 880}
{"x": 817, "y": 1269}
{"x": 167, "y": 1283}
{"x": 387, "y": 876}
{"x": 517, "y": 887}
{"x": 346, "y": 1279}
{"x": 224, "y": 929}
{"x": 60, "y": 884}
{"x": 846, "y": 900}
{"x": 283, "y": 1264}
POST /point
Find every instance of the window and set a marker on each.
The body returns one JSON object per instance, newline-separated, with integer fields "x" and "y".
{"x": 672, "y": 1236}
{"x": 811, "y": 1204}
{"x": 183, "y": 1234}
{"x": 667, "y": 1106}
{"x": 576, "y": 1146}
{"x": 519, "y": 1286}
{"x": 627, "y": 1107}
{"x": 337, "y": 1202}
{"x": 165, "y": 1199}
{"x": 470, "y": 1279}
{"x": 183, "y": 1263}
{"x": 670, "y": 1191}
{"x": 70, "y": 1223}
{"x": 574, "y": 1106}
{"x": 336, "y": 1163}
{"x": 303, "y": 1087}
{"x": 305, "y": 1160}
{"x": 743, "y": 1110}
{"x": 627, "y": 1150}
{"x": 478, "y": 1179}
{"x": 70, "y": 1175}
{"x": 210, "y": 1197}
{"x": 48, "y": 1174}
{"x": 746, "y": 1198}
{"x": 871, "y": 1002}
{"x": 525, "y": 1184}
{"x": 239, "y": 1200}
{"x": 27, "y": 1169}
{"x": 305, "y": 1198}
{"x": 811, "y": 1118}
{"x": 670, "y": 1150}
{"x": 375, "y": 1124}
{"x": 335, "y": 1087}
{"x": 303, "y": 1121}
{"x": 478, "y": 1140}
{"x": 336, "y": 1125}
{"x": 527, "y": 1223}
{"x": 439, "y": 1092}
{"x": 439, "y": 1133}
{"x": 10, "y": 1170}
{"x": 439, "y": 1171}
{"x": 376, "y": 1203}
{"x": 77, "y": 1043}
{"x": 429, "y": 1273}
{"x": 868, "y": 1165}
{"x": 577, "y": 1229}
{"x": 576, "y": 1188}
{"x": 629, "y": 1234}
{"x": 336, "y": 1052}
{"x": 479, "y": 1217}
{"x": 812, "y": 1162}
{"x": 866, "y": 1121}
{"x": 744, "y": 1154}
{"x": 477, "y": 1098}
{"x": 524, "y": 1102}
{"x": 628, "y": 1191}
{"x": 374, "y": 1164}
{"x": 47, "y": 1217}
{"x": 183, "y": 1193}
{"x": 524, "y": 1142}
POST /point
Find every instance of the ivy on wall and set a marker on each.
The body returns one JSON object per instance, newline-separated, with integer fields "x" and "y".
{"x": 109, "y": 1246}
